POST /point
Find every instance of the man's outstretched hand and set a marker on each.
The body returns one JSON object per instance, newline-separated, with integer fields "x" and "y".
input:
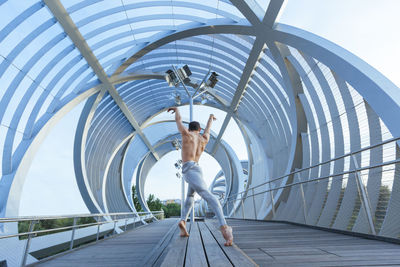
{"x": 173, "y": 109}
{"x": 212, "y": 117}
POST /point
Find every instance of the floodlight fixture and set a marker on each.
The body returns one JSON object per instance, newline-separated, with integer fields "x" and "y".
{"x": 184, "y": 73}
{"x": 176, "y": 145}
{"x": 212, "y": 79}
{"x": 171, "y": 78}
{"x": 177, "y": 166}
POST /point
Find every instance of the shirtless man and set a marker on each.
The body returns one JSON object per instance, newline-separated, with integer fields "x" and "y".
{"x": 193, "y": 144}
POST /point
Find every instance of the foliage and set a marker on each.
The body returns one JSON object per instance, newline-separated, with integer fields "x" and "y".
{"x": 171, "y": 209}
{"x": 153, "y": 203}
{"x": 136, "y": 202}
{"x": 23, "y": 226}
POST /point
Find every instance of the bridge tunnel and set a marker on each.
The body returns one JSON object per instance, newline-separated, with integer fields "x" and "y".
{"x": 320, "y": 125}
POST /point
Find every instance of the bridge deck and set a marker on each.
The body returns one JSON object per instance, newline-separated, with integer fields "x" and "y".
{"x": 266, "y": 243}
{"x": 127, "y": 249}
{"x": 282, "y": 244}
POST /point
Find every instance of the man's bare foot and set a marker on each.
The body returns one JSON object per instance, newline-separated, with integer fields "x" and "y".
{"x": 227, "y": 234}
{"x": 182, "y": 227}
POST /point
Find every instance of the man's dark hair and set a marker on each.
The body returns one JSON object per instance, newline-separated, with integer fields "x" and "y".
{"x": 194, "y": 126}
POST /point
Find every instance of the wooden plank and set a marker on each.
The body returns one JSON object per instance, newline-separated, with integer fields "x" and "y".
{"x": 175, "y": 255}
{"x": 126, "y": 249}
{"x": 157, "y": 251}
{"x": 235, "y": 255}
{"x": 271, "y": 244}
{"x": 215, "y": 255}
{"x": 195, "y": 255}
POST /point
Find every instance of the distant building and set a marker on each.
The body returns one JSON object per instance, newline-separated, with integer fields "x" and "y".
{"x": 170, "y": 201}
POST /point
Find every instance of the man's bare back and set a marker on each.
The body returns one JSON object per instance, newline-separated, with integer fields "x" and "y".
{"x": 193, "y": 143}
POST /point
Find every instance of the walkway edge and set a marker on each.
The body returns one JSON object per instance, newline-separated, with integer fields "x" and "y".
{"x": 153, "y": 256}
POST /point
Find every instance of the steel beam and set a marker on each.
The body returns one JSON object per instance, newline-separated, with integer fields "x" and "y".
{"x": 256, "y": 52}
{"x": 250, "y": 9}
{"x": 62, "y": 16}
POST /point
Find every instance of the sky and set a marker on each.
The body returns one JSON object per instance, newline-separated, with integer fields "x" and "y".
{"x": 367, "y": 28}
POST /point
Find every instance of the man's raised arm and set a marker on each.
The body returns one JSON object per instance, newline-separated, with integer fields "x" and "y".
{"x": 206, "y": 133}
{"x": 182, "y": 129}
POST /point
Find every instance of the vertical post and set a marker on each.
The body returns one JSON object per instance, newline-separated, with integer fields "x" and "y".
{"x": 363, "y": 193}
{"x": 28, "y": 242}
{"x": 126, "y": 221}
{"x": 182, "y": 182}
{"x": 302, "y": 198}
{"x": 115, "y": 224}
{"x": 71, "y": 245}
{"x": 227, "y": 206}
{"x": 241, "y": 199}
{"x": 190, "y": 108}
{"x": 191, "y": 119}
{"x": 254, "y": 205}
{"x": 182, "y": 195}
{"x": 271, "y": 194}
{"x": 98, "y": 228}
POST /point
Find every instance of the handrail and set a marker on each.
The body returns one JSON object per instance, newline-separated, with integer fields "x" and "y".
{"x": 87, "y": 215}
{"x": 374, "y": 226}
{"x": 318, "y": 179}
{"x": 39, "y": 218}
{"x": 34, "y": 219}
{"x": 319, "y": 164}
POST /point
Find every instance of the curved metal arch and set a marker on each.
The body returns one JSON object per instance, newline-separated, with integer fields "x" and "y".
{"x": 217, "y": 57}
{"x": 380, "y": 93}
{"x": 275, "y": 111}
{"x": 12, "y": 182}
{"x": 337, "y": 137}
{"x": 125, "y": 141}
{"x": 323, "y": 137}
{"x": 12, "y": 55}
{"x": 126, "y": 21}
{"x": 217, "y": 64}
{"x": 43, "y": 97}
{"x": 19, "y": 19}
{"x": 7, "y": 153}
{"x": 276, "y": 56}
{"x": 201, "y": 69}
{"x": 127, "y": 7}
{"x": 247, "y": 107}
{"x": 280, "y": 116}
{"x": 137, "y": 53}
{"x": 228, "y": 152}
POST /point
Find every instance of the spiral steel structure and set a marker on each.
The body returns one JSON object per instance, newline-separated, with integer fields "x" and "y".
{"x": 298, "y": 99}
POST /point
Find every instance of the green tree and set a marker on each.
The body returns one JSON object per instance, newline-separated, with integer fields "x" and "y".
{"x": 153, "y": 203}
{"x": 136, "y": 202}
{"x": 171, "y": 209}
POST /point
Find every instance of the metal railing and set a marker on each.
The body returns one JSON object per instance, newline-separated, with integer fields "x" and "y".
{"x": 101, "y": 219}
{"x": 235, "y": 203}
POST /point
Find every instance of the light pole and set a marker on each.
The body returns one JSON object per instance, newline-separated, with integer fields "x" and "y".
{"x": 182, "y": 75}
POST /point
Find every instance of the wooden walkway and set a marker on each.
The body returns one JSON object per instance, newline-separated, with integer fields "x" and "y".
{"x": 204, "y": 247}
{"x": 281, "y": 244}
{"x": 256, "y": 243}
{"x": 127, "y": 249}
